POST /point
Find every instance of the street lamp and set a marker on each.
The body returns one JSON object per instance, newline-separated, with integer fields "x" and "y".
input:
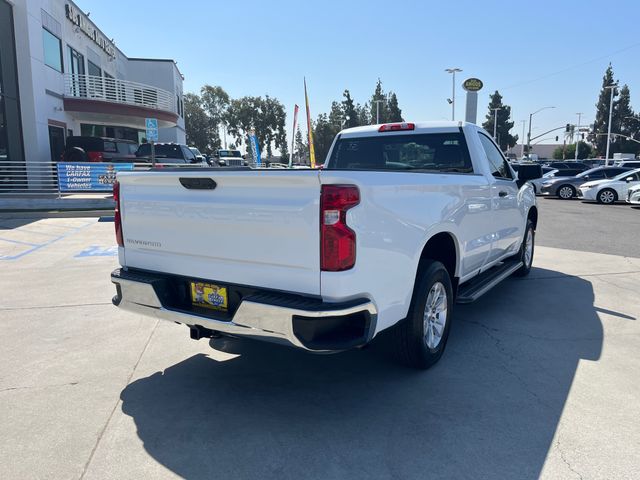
{"x": 495, "y": 121}
{"x": 529, "y": 135}
{"x": 453, "y": 95}
{"x": 378, "y": 102}
{"x": 611, "y": 87}
{"x": 578, "y": 137}
{"x": 524, "y": 122}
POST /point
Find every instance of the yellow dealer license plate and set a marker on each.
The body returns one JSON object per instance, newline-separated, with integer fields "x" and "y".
{"x": 208, "y": 295}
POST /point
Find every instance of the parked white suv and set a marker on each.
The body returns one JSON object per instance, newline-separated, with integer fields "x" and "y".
{"x": 403, "y": 220}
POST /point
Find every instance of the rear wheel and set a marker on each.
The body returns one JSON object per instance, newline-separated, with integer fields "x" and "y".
{"x": 526, "y": 251}
{"x": 566, "y": 192}
{"x": 422, "y": 336}
{"x": 607, "y": 196}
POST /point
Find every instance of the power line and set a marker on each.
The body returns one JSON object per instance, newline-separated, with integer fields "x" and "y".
{"x": 527, "y": 82}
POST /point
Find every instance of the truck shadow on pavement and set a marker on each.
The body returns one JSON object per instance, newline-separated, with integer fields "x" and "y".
{"x": 489, "y": 409}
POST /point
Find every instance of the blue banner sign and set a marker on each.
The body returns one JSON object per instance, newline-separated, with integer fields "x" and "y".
{"x": 89, "y": 177}
{"x": 255, "y": 149}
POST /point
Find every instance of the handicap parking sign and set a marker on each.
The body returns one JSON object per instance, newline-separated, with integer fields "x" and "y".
{"x": 152, "y": 129}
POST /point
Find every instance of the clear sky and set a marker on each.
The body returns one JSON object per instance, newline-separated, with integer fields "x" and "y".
{"x": 536, "y": 53}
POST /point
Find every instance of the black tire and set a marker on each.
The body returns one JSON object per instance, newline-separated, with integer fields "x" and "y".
{"x": 524, "y": 270}
{"x": 566, "y": 192}
{"x": 605, "y": 196}
{"x": 410, "y": 336}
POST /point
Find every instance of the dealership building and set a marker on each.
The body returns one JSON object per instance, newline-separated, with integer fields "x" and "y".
{"x": 61, "y": 75}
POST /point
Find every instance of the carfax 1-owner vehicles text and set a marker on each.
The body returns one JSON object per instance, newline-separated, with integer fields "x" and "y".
{"x": 403, "y": 221}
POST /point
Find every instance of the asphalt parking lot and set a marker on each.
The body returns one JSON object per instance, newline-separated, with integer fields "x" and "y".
{"x": 540, "y": 376}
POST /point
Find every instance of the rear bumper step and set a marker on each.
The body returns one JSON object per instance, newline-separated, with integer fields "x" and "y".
{"x": 306, "y": 323}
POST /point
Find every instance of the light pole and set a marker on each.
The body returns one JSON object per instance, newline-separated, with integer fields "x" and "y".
{"x": 578, "y": 137}
{"x": 378, "y": 102}
{"x": 529, "y": 135}
{"x": 611, "y": 87}
{"x": 495, "y": 121}
{"x": 453, "y": 94}
{"x": 524, "y": 122}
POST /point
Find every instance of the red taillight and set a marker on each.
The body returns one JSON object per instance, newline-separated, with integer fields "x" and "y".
{"x": 337, "y": 240}
{"x": 117, "y": 220}
{"x": 95, "y": 156}
{"x": 394, "y": 127}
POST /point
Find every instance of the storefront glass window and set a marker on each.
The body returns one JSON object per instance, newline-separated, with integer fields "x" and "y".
{"x": 52, "y": 50}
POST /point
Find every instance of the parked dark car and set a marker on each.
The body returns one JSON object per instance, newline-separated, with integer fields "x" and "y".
{"x": 98, "y": 149}
{"x": 567, "y": 187}
{"x": 568, "y": 168}
{"x": 168, "y": 153}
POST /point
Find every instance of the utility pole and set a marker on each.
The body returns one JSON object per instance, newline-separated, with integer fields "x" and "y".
{"x": 612, "y": 88}
{"x": 578, "y": 138}
{"x": 495, "y": 121}
{"x": 524, "y": 122}
{"x": 378, "y": 102}
{"x": 453, "y": 94}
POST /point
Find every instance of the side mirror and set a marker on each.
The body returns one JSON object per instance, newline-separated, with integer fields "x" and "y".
{"x": 528, "y": 172}
{"x": 586, "y": 177}
{"x": 628, "y": 179}
{"x": 244, "y": 156}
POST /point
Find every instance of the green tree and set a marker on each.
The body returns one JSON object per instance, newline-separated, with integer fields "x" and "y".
{"x": 363, "y": 114}
{"x": 215, "y": 102}
{"x": 323, "y": 134}
{"x": 301, "y": 148}
{"x": 598, "y": 136}
{"x": 351, "y": 117}
{"x": 197, "y": 124}
{"x": 504, "y": 139}
{"x": 569, "y": 152}
{"x": 336, "y": 117}
{"x": 265, "y": 116}
{"x": 626, "y": 123}
{"x": 394, "y": 112}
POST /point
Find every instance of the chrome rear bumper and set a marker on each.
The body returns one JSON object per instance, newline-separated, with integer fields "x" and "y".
{"x": 313, "y": 325}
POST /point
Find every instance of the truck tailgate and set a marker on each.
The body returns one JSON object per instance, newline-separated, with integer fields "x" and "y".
{"x": 257, "y": 228}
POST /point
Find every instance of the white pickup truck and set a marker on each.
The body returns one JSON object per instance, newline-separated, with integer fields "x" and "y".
{"x": 403, "y": 220}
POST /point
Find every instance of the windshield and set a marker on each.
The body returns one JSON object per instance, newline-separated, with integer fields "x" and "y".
{"x": 166, "y": 150}
{"x": 631, "y": 173}
{"x": 229, "y": 153}
{"x": 433, "y": 152}
{"x": 587, "y": 172}
{"x": 195, "y": 151}
{"x": 550, "y": 174}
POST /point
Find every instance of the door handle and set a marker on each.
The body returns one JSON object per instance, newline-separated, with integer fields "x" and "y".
{"x": 503, "y": 193}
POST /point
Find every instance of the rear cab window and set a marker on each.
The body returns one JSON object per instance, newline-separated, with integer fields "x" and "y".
{"x": 418, "y": 152}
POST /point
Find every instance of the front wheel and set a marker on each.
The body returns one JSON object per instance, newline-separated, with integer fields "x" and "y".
{"x": 566, "y": 192}
{"x": 422, "y": 336}
{"x": 526, "y": 250}
{"x": 607, "y": 196}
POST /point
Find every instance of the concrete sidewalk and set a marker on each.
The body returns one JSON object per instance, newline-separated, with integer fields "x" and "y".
{"x": 540, "y": 378}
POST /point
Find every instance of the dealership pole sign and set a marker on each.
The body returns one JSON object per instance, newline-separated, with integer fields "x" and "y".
{"x": 89, "y": 29}
{"x": 472, "y": 86}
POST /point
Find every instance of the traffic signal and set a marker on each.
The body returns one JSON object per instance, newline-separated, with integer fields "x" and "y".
{"x": 568, "y": 128}
{"x": 583, "y": 136}
{"x": 556, "y": 138}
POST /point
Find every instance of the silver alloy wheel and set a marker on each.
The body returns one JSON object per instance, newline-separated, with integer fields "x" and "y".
{"x": 565, "y": 192}
{"x": 607, "y": 196}
{"x": 435, "y": 315}
{"x": 528, "y": 248}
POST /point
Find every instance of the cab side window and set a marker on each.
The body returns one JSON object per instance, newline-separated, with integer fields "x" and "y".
{"x": 497, "y": 163}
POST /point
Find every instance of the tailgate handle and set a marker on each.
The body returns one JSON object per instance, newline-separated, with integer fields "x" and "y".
{"x": 197, "y": 183}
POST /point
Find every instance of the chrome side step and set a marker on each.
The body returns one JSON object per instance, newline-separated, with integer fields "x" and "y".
{"x": 471, "y": 291}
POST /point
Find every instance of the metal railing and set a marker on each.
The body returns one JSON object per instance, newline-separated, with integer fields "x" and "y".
{"x": 113, "y": 90}
{"x": 40, "y": 179}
